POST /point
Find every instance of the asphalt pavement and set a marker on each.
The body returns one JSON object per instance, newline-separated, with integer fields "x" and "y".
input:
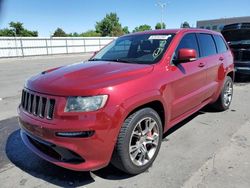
{"x": 208, "y": 149}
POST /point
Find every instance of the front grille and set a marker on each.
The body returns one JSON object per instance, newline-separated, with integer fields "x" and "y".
{"x": 38, "y": 105}
{"x": 246, "y": 56}
{"x": 241, "y": 55}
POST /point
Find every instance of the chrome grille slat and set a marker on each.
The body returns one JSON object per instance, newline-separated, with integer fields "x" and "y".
{"x": 31, "y": 103}
{"x": 23, "y": 98}
{"x": 42, "y": 113}
{"x": 37, "y": 105}
{"x": 34, "y": 105}
{"x": 50, "y": 108}
{"x": 40, "y": 107}
{"x": 26, "y": 101}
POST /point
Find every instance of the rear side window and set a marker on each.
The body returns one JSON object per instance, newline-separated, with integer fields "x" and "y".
{"x": 207, "y": 45}
{"x": 188, "y": 41}
{"x": 221, "y": 46}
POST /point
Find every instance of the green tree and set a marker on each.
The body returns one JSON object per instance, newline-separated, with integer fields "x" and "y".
{"x": 59, "y": 33}
{"x": 27, "y": 33}
{"x": 144, "y": 27}
{"x": 7, "y": 33}
{"x": 90, "y": 33}
{"x": 109, "y": 26}
{"x": 75, "y": 34}
{"x": 125, "y": 30}
{"x": 17, "y": 29}
{"x": 158, "y": 26}
{"x": 117, "y": 31}
{"x": 185, "y": 25}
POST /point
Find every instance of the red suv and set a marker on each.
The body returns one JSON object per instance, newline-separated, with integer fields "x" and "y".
{"x": 116, "y": 106}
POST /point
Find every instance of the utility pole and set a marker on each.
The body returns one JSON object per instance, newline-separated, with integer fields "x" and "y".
{"x": 162, "y": 6}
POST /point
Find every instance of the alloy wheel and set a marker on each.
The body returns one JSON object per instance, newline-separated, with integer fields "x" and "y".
{"x": 144, "y": 141}
{"x": 228, "y": 93}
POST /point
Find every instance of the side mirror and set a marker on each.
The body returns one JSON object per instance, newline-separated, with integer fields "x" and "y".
{"x": 186, "y": 55}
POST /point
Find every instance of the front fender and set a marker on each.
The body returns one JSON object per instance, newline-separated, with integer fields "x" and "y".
{"x": 141, "y": 99}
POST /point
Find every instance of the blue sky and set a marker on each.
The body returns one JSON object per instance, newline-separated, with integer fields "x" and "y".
{"x": 81, "y": 15}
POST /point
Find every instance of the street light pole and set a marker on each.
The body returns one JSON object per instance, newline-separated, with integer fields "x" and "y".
{"x": 162, "y": 6}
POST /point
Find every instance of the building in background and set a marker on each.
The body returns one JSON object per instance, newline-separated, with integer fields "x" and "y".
{"x": 218, "y": 24}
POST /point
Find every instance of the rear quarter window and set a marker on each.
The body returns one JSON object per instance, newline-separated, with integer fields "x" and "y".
{"x": 220, "y": 43}
{"x": 207, "y": 44}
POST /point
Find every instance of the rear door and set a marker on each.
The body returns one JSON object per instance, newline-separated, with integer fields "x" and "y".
{"x": 190, "y": 78}
{"x": 209, "y": 54}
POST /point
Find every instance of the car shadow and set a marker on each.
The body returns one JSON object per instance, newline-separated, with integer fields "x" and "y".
{"x": 204, "y": 110}
{"x": 29, "y": 162}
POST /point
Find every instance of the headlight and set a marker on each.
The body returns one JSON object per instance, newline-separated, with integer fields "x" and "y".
{"x": 85, "y": 104}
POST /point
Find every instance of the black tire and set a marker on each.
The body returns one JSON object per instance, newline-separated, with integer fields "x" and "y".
{"x": 121, "y": 156}
{"x": 221, "y": 104}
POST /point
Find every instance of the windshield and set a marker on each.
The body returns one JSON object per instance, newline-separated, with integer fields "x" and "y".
{"x": 141, "y": 49}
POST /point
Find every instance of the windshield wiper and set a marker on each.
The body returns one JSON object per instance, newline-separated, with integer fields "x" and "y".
{"x": 95, "y": 59}
{"x": 115, "y": 60}
{"x": 119, "y": 60}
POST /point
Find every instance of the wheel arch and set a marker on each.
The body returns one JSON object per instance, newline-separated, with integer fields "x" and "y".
{"x": 155, "y": 102}
{"x": 231, "y": 74}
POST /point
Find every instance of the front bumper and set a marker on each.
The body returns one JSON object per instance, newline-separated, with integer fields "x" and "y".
{"x": 80, "y": 154}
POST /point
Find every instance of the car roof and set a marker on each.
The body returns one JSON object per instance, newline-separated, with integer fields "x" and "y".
{"x": 175, "y": 31}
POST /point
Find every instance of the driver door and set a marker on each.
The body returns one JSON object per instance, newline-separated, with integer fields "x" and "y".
{"x": 189, "y": 80}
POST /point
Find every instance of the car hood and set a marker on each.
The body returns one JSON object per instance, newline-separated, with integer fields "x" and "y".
{"x": 79, "y": 78}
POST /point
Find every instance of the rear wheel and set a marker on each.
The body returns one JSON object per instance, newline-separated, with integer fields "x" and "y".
{"x": 138, "y": 142}
{"x": 225, "y": 98}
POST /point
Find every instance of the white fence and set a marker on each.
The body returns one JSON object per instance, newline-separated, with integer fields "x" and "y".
{"x": 31, "y": 46}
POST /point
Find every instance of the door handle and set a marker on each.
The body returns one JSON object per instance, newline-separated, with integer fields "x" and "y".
{"x": 221, "y": 58}
{"x": 201, "y": 64}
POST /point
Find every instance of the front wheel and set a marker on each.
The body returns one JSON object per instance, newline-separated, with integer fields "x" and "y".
{"x": 226, "y": 95}
{"x": 138, "y": 142}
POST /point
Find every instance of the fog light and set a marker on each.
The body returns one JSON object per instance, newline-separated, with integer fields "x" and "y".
{"x": 80, "y": 134}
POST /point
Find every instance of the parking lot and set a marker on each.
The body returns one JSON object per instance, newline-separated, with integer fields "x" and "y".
{"x": 209, "y": 149}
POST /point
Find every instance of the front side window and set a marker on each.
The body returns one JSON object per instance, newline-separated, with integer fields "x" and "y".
{"x": 207, "y": 44}
{"x": 188, "y": 41}
{"x": 139, "y": 49}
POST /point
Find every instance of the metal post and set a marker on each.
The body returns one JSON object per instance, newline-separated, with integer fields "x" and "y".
{"x": 84, "y": 46}
{"x": 16, "y": 47}
{"x": 99, "y": 43}
{"x": 21, "y": 43}
{"x": 67, "y": 51}
{"x": 162, "y": 6}
{"x": 47, "y": 46}
{"x": 51, "y": 47}
{"x": 161, "y": 18}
